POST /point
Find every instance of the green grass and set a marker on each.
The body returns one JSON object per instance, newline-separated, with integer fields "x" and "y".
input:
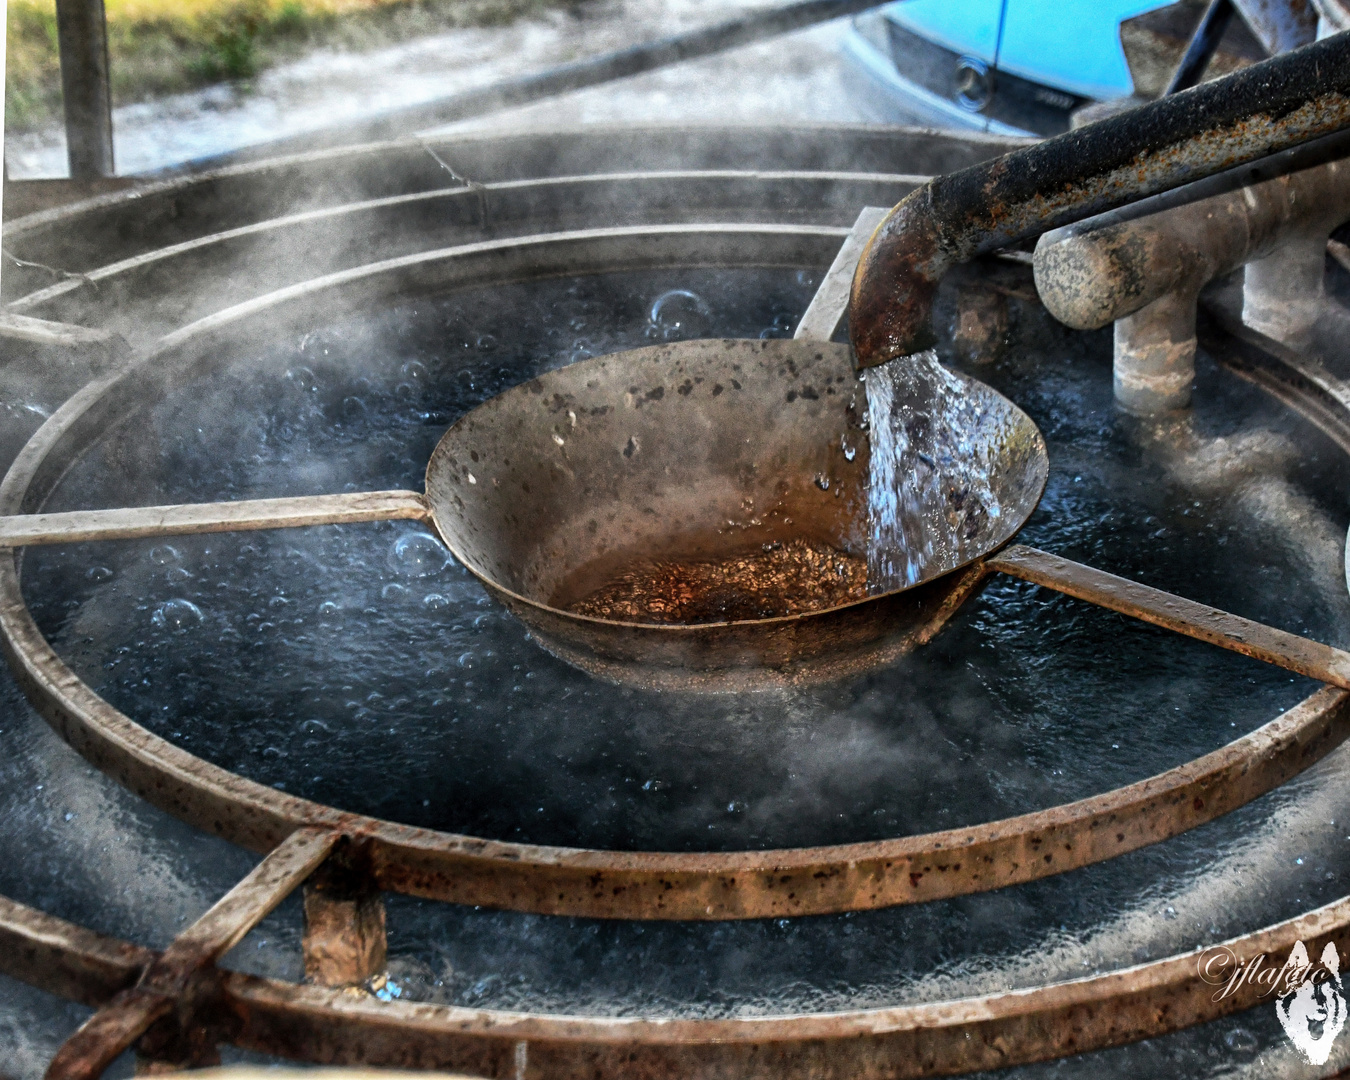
{"x": 158, "y": 47}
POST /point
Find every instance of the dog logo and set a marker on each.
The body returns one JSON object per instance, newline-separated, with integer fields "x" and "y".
{"x": 1313, "y": 1013}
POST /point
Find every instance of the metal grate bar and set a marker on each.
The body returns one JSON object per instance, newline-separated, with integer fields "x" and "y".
{"x": 1232, "y": 632}
{"x": 147, "y": 521}
{"x": 65, "y": 959}
{"x": 168, "y": 983}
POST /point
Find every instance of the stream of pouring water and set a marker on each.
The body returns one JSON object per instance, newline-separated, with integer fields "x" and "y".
{"x": 929, "y": 497}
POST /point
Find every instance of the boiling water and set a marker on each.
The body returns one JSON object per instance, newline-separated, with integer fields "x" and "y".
{"x": 929, "y": 497}
{"x": 360, "y": 666}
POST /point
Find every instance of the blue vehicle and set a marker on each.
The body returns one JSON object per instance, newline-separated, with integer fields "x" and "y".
{"x": 1010, "y": 67}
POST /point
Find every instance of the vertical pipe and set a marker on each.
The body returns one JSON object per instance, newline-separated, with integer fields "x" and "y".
{"x": 1203, "y": 45}
{"x": 82, "y": 35}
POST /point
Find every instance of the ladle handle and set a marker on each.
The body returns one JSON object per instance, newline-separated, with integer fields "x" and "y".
{"x": 830, "y": 304}
{"x": 147, "y": 521}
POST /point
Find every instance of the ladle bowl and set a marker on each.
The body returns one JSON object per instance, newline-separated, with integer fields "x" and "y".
{"x": 701, "y": 450}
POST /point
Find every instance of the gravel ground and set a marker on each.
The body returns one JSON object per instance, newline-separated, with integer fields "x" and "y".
{"x": 798, "y": 77}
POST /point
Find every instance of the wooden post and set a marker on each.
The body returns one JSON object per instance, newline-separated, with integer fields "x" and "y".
{"x": 82, "y": 35}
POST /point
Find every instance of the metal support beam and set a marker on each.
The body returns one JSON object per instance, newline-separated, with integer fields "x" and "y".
{"x": 82, "y": 36}
{"x": 1199, "y": 621}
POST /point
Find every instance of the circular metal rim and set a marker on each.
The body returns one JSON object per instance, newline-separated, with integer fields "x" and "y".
{"x": 598, "y": 883}
{"x": 518, "y": 198}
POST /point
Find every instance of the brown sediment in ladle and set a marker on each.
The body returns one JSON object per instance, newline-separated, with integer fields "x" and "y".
{"x": 770, "y": 581}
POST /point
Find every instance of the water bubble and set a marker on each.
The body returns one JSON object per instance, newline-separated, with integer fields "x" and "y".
{"x": 850, "y": 452}
{"x": 783, "y": 326}
{"x": 302, "y": 378}
{"x": 435, "y": 602}
{"x": 581, "y": 350}
{"x": 405, "y": 392}
{"x": 735, "y": 807}
{"x": 485, "y": 342}
{"x": 414, "y": 371}
{"x": 807, "y": 279}
{"x": 394, "y": 591}
{"x": 164, "y": 555}
{"x": 328, "y": 609}
{"x": 679, "y": 313}
{"x": 1240, "y": 1040}
{"x": 418, "y": 555}
{"x": 822, "y": 482}
{"x": 177, "y": 614}
{"x": 467, "y": 660}
{"x": 353, "y": 408}
{"x": 98, "y": 573}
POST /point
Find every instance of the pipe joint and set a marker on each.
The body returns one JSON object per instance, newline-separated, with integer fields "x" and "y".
{"x": 1145, "y": 275}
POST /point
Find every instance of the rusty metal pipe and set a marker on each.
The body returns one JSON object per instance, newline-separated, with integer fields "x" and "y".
{"x": 1146, "y": 275}
{"x": 1262, "y": 110}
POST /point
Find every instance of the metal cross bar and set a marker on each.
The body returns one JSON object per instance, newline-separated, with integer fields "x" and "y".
{"x": 1232, "y": 632}
{"x": 167, "y": 984}
{"x": 147, "y": 521}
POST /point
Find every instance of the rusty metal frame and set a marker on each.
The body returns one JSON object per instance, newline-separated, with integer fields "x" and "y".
{"x": 330, "y": 1026}
{"x": 180, "y": 1005}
